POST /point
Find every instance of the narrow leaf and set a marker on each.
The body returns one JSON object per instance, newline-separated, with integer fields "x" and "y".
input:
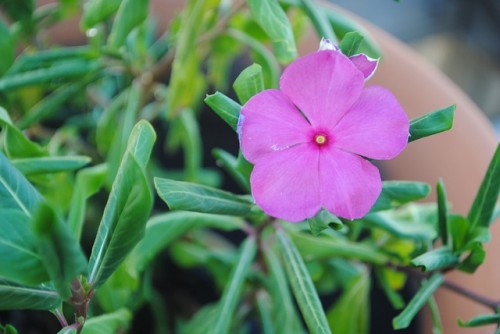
{"x": 458, "y": 230}
{"x": 232, "y": 291}
{"x": 226, "y": 108}
{"x": 130, "y": 14}
{"x": 318, "y": 19}
{"x": 474, "y": 259}
{"x": 421, "y": 297}
{"x": 230, "y": 164}
{"x": 249, "y": 82}
{"x": 45, "y": 165}
{"x": 481, "y": 211}
{"x": 186, "y": 196}
{"x": 437, "y": 326}
{"x": 303, "y": 287}
{"x": 436, "y": 259}
{"x": 401, "y": 225}
{"x": 397, "y": 193}
{"x": 481, "y": 320}
{"x": 393, "y": 296}
{"x": 18, "y": 297}
{"x": 96, "y": 11}
{"x": 8, "y": 47}
{"x": 442, "y": 212}
{"x": 432, "y": 123}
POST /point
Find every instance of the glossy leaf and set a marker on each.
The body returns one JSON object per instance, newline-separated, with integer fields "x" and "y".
{"x": 303, "y": 287}
{"x": 130, "y": 14}
{"x": 225, "y": 107}
{"x": 161, "y": 230}
{"x": 432, "y": 123}
{"x": 15, "y": 190}
{"x": 481, "y": 211}
{"x": 273, "y": 20}
{"x": 232, "y": 291}
{"x": 62, "y": 256}
{"x": 436, "y": 259}
{"x": 127, "y": 210}
{"x": 418, "y": 301}
{"x": 249, "y": 82}
{"x": 186, "y": 196}
{"x": 19, "y": 297}
{"x": 350, "y": 43}
{"x": 116, "y": 322}
{"x": 397, "y": 193}
{"x": 20, "y": 260}
{"x": 97, "y": 11}
{"x": 318, "y": 19}
{"x": 442, "y": 212}
{"x": 46, "y": 165}
{"x": 324, "y": 220}
{"x": 481, "y": 320}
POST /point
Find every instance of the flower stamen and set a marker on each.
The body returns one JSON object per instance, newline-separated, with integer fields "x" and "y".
{"x": 320, "y": 139}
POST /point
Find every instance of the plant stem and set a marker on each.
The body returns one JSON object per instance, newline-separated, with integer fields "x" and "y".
{"x": 483, "y": 300}
{"x": 60, "y": 317}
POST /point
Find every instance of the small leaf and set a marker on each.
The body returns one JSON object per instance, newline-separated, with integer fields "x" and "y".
{"x": 442, "y": 212}
{"x": 397, "y": 193}
{"x": 418, "y": 301}
{"x": 481, "y": 320}
{"x": 97, "y": 11}
{"x": 474, "y": 259}
{"x": 186, "y": 196}
{"x": 303, "y": 287}
{"x": 8, "y": 329}
{"x": 62, "y": 256}
{"x": 318, "y": 19}
{"x": 324, "y": 220}
{"x": 436, "y": 259}
{"x": 432, "y": 123}
{"x": 350, "y": 43}
{"x": 131, "y": 13}
{"x": 46, "y": 165}
{"x": 18, "y": 297}
{"x": 249, "y": 82}
{"x": 273, "y": 20}
{"x": 481, "y": 211}
{"x": 226, "y": 108}
{"x": 401, "y": 225}
{"x": 116, "y": 322}
{"x": 230, "y": 164}
{"x": 127, "y": 210}
{"x": 458, "y": 229}
{"x": 232, "y": 291}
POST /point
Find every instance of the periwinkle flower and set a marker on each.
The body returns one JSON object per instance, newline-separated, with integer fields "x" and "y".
{"x": 309, "y": 140}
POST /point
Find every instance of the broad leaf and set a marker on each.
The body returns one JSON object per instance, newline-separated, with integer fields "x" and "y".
{"x": 232, "y": 291}
{"x": 249, "y": 82}
{"x": 130, "y": 14}
{"x": 62, "y": 256}
{"x": 20, "y": 260}
{"x": 432, "y": 123}
{"x": 303, "y": 287}
{"x": 127, "y": 210}
{"x": 397, "y": 193}
{"x": 18, "y": 297}
{"x": 436, "y": 259}
{"x": 421, "y": 297}
{"x": 481, "y": 212}
{"x": 226, "y": 108}
{"x": 44, "y": 165}
{"x": 186, "y": 196}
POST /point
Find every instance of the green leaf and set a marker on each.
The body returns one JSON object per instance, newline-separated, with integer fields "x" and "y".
{"x": 8, "y": 47}
{"x": 421, "y": 297}
{"x": 394, "y": 298}
{"x": 350, "y": 43}
{"x": 273, "y": 20}
{"x": 20, "y": 260}
{"x": 232, "y": 291}
{"x": 442, "y": 212}
{"x": 397, "y": 193}
{"x": 116, "y": 322}
{"x": 303, "y": 287}
{"x": 186, "y": 196}
{"x": 316, "y": 248}
{"x": 88, "y": 182}
{"x": 131, "y": 13}
{"x": 18, "y": 297}
{"x": 191, "y": 143}
{"x": 436, "y": 259}
{"x": 401, "y": 225}
{"x": 62, "y": 256}
{"x": 474, "y": 259}
{"x": 15, "y": 190}
{"x": 432, "y": 123}
{"x": 437, "y": 326}
{"x": 225, "y": 107}
{"x": 8, "y": 329}
{"x": 318, "y": 19}
{"x": 161, "y": 230}
{"x": 249, "y": 82}
{"x": 18, "y": 10}
{"x": 322, "y": 221}
{"x": 481, "y": 320}
{"x": 45, "y": 165}
{"x": 458, "y": 229}
{"x": 230, "y": 164}
{"x": 356, "y": 296}
{"x": 265, "y": 313}
{"x": 127, "y": 210}
{"x": 481, "y": 211}
{"x": 97, "y": 11}
{"x": 69, "y": 69}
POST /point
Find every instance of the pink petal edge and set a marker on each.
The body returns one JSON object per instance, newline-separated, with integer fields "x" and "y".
{"x": 365, "y": 64}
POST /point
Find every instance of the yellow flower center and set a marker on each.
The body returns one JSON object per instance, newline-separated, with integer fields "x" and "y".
{"x": 320, "y": 139}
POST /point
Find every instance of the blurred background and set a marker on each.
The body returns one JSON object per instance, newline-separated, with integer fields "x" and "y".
{"x": 460, "y": 37}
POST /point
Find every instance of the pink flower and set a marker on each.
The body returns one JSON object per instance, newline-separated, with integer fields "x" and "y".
{"x": 308, "y": 141}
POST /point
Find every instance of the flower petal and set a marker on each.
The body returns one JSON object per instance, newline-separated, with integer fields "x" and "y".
{"x": 365, "y": 64}
{"x": 323, "y": 85}
{"x": 269, "y": 122}
{"x": 349, "y": 185}
{"x": 376, "y": 126}
{"x": 286, "y": 184}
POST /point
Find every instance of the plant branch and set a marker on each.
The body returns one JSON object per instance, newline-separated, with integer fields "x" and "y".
{"x": 483, "y": 300}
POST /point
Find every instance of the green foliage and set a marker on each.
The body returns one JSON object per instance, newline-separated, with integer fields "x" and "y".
{"x": 350, "y": 43}
{"x": 249, "y": 82}
{"x": 432, "y": 123}
{"x": 19, "y": 297}
{"x": 226, "y": 108}
{"x": 397, "y": 193}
